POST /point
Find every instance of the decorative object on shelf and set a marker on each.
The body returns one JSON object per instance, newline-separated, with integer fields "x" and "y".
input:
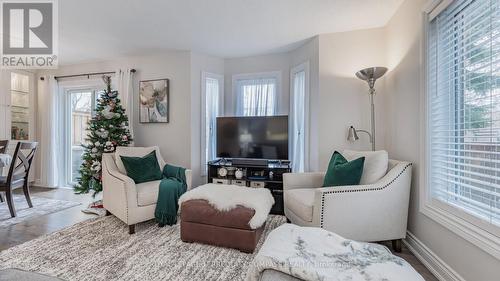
{"x": 238, "y": 174}
{"x": 154, "y": 101}
{"x": 105, "y": 133}
{"x": 251, "y": 173}
{"x": 231, "y": 171}
{"x": 370, "y": 75}
{"x": 20, "y": 116}
{"x": 222, "y": 172}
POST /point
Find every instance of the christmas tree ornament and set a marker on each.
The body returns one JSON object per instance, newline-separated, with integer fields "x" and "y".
{"x": 109, "y": 147}
{"x": 107, "y": 112}
{"x": 96, "y": 166}
{"x": 112, "y": 94}
{"x": 102, "y": 133}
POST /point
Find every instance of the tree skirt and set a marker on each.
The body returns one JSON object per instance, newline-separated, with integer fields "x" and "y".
{"x": 41, "y": 206}
{"x": 102, "y": 249}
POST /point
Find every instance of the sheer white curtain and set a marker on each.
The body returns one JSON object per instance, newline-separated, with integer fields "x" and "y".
{"x": 298, "y": 120}
{"x": 256, "y": 97}
{"x": 124, "y": 81}
{"x": 48, "y": 116}
{"x": 211, "y": 111}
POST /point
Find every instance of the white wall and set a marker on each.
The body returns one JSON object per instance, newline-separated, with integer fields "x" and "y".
{"x": 343, "y": 98}
{"x": 403, "y": 118}
{"x": 256, "y": 64}
{"x": 199, "y": 63}
{"x": 173, "y": 138}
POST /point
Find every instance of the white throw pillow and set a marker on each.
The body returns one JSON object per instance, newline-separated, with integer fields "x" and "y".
{"x": 375, "y": 166}
{"x": 134, "y": 152}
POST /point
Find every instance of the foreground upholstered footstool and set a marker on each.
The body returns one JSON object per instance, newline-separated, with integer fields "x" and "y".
{"x": 224, "y": 215}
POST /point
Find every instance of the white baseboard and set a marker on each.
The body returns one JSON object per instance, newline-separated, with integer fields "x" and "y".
{"x": 38, "y": 183}
{"x": 429, "y": 259}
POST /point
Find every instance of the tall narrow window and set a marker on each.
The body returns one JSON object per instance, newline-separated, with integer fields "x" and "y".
{"x": 212, "y": 103}
{"x": 464, "y": 111}
{"x": 256, "y": 95}
{"x": 81, "y": 112}
{"x": 80, "y": 107}
{"x": 298, "y": 116}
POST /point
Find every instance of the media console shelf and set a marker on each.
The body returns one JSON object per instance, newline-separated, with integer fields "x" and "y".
{"x": 258, "y": 176}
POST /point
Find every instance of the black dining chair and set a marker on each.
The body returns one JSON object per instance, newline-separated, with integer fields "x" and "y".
{"x": 19, "y": 173}
{"x": 4, "y": 144}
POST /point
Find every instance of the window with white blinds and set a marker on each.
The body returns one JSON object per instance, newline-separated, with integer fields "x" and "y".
{"x": 463, "y": 80}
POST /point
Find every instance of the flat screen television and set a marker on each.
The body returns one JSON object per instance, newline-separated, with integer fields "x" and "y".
{"x": 256, "y": 137}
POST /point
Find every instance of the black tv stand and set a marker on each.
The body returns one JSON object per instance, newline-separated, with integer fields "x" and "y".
{"x": 257, "y": 175}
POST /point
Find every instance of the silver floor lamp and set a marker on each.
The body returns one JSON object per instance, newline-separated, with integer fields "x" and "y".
{"x": 370, "y": 75}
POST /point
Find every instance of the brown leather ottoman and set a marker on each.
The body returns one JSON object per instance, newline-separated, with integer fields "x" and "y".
{"x": 200, "y": 222}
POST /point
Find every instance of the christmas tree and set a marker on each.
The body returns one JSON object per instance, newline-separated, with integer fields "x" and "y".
{"x": 106, "y": 130}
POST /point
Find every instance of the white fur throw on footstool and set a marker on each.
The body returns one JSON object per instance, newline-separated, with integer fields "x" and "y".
{"x": 315, "y": 254}
{"x": 227, "y": 197}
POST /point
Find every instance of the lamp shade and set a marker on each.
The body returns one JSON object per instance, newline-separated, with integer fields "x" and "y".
{"x": 352, "y": 135}
{"x": 371, "y": 73}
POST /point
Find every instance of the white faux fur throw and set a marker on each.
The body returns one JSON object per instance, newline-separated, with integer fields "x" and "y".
{"x": 227, "y": 197}
{"x": 315, "y": 254}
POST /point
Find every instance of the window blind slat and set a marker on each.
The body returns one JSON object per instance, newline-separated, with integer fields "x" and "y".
{"x": 487, "y": 209}
{"x": 477, "y": 167}
{"x": 483, "y": 213}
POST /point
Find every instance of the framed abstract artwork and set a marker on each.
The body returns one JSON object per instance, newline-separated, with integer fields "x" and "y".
{"x": 154, "y": 101}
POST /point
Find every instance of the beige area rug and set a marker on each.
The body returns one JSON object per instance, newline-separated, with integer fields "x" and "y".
{"x": 41, "y": 206}
{"x": 102, "y": 249}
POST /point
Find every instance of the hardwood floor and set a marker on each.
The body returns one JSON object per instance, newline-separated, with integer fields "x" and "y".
{"x": 38, "y": 226}
{"x": 410, "y": 258}
{"x": 33, "y": 228}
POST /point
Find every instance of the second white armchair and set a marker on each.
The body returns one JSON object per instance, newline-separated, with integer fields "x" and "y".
{"x": 372, "y": 212}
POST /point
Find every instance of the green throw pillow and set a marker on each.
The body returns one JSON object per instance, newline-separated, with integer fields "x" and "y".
{"x": 342, "y": 172}
{"x": 142, "y": 169}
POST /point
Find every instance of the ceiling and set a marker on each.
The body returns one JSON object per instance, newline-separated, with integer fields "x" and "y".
{"x": 94, "y": 30}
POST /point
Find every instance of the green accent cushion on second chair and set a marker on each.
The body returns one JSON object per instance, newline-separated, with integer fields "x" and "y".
{"x": 142, "y": 169}
{"x": 342, "y": 172}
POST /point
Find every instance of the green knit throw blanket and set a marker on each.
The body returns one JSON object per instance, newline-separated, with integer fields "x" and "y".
{"x": 172, "y": 186}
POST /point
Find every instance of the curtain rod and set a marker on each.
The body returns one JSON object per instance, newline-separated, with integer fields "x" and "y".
{"x": 90, "y": 74}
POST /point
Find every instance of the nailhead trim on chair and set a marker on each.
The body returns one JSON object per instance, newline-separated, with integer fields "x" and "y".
{"x": 356, "y": 190}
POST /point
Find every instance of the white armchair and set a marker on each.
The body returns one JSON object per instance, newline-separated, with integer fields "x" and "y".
{"x": 132, "y": 203}
{"x": 373, "y": 212}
